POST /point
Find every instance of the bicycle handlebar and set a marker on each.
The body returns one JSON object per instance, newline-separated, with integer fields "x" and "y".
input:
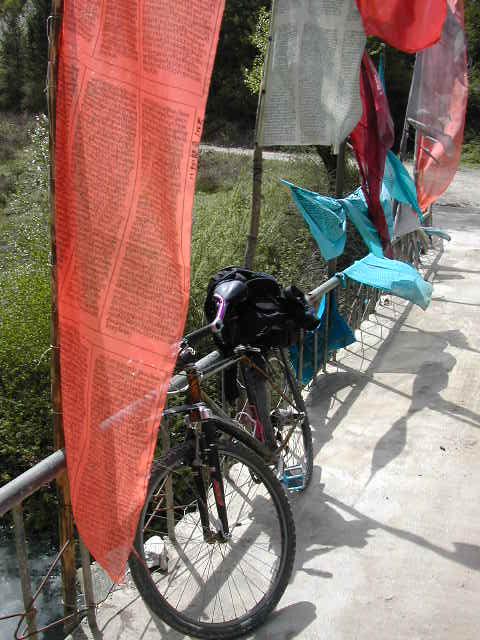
{"x": 213, "y": 327}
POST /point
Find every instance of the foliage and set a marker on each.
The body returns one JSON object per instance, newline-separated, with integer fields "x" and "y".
{"x": 25, "y": 416}
{"x": 23, "y": 55}
{"x": 231, "y": 107}
{"x": 222, "y": 216}
{"x": 10, "y": 62}
{"x": 259, "y": 39}
{"x": 35, "y": 55}
{"x": 13, "y": 138}
{"x": 471, "y": 150}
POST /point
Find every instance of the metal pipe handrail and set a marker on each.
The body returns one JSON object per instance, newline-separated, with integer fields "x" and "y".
{"x": 15, "y": 491}
{"x": 317, "y": 294}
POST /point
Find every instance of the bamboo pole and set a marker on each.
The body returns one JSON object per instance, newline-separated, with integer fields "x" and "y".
{"x": 256, "y": 207}
{"x": 66, "y": 524}
{"x": 402, "y": 155}
{"x": 257, "y": 169}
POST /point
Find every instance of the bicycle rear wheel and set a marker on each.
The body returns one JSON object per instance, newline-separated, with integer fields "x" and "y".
{"x": 214, "y": 589}
{"x": 289, "y": 418}
{"x": 274, "y": 411}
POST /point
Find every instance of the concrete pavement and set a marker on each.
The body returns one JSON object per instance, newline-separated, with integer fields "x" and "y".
{"x": 389, "y": 533}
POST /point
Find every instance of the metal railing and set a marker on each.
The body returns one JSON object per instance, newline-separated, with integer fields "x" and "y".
{"x": 358, "y": 302}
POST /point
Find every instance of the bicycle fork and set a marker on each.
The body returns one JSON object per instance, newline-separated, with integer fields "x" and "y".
{"x": 206, "y": 465}
{"x": 207, "y": 471}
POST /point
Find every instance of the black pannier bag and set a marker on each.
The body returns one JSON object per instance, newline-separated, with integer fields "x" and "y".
{"x": 269, "y": 316}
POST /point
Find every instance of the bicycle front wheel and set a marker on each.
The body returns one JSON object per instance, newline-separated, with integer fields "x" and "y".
{"x": 213, "y": 588}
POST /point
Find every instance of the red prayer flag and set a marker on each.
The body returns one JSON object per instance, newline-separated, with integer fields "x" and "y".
{"x": 371, "y": 139}
{"x": 408, "y": 25}
{"x": 133, "y": 81}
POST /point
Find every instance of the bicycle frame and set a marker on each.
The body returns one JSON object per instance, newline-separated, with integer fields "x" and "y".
{"x": 194, "y": 379}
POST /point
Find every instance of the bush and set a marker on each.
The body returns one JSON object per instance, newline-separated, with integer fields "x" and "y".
{"x": 13, "y": 136}
{"x": 471, "y": 150}
{"x": 25, "y": 415}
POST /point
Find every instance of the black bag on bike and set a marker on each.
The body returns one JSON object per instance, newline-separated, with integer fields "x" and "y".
{"x": 269, "y": 316}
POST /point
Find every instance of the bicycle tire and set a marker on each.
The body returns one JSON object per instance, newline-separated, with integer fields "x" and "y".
{"x": 179, "y": 459}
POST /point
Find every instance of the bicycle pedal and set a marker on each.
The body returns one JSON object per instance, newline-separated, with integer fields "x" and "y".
{"x": 293, "y": 478}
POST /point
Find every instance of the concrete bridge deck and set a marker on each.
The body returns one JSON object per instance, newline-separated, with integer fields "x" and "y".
{"x": 389, "y": 533}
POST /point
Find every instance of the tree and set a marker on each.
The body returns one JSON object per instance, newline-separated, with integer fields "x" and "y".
{"x": 35, "y": 55}
{"x": 231, "y": 106}
{"x": 11, "y": 60}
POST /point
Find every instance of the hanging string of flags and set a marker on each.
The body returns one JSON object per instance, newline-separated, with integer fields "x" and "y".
{"x": 311, "y": 78}
{"x": 437, "y": 107}
{"x": 408, "y": 25}
{"x": 319, "y": 73}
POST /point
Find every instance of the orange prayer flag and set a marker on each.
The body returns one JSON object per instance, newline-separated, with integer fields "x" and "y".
{"x": 437, "y": 108}
{"x": 132, "y": 87}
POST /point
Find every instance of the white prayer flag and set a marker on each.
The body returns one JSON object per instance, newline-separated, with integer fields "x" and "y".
{"x": 312, "y": 81}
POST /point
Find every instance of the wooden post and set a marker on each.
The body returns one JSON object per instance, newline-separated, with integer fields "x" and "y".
{"x": 22, "y": 558}
{"x": 340, "y": 173}
{"x": 256, "y": 207}
{"x": 252, "y": 238}
{"x": 66, "y": 525}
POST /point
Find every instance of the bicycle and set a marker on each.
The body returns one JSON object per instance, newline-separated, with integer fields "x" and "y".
{"x": 215, "y": 544}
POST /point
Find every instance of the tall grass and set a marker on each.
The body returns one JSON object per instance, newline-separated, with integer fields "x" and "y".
{"x": 25, "y": 415}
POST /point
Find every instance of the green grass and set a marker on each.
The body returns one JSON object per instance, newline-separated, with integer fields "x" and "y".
{"x": 471, "y": 153}
{"x": 222, "y": 215}
{"x": 13, "y": 139}
{"x": 25, "y": 416}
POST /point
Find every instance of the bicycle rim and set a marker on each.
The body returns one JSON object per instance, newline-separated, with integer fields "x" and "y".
{"x": 219, "y": 589}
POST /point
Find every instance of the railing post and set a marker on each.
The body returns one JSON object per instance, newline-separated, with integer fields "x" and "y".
{"x": 66, "y": 525}
{"x": 22, "y": 558}
{"x": 165, "y": 437}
